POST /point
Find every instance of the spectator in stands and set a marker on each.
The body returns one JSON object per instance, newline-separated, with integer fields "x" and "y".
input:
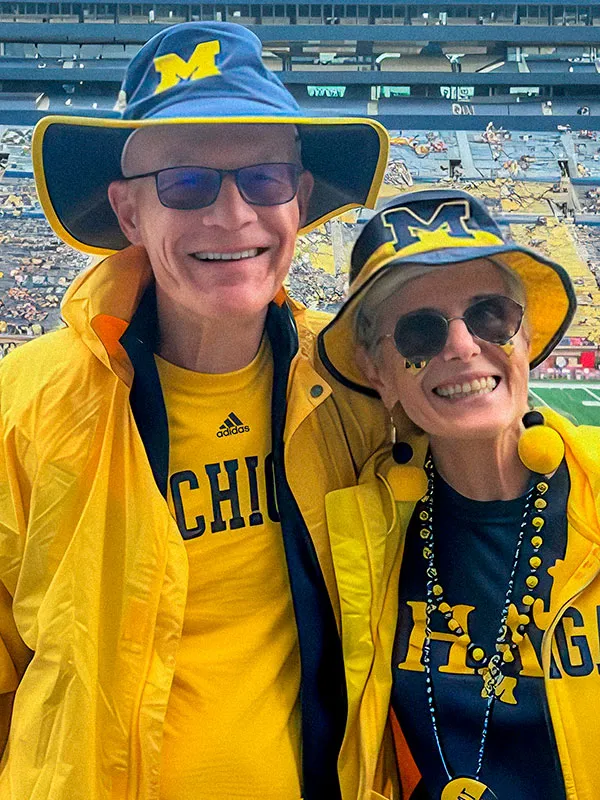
{"x": 169, "y": 616}
{"x": 484, "y": 513}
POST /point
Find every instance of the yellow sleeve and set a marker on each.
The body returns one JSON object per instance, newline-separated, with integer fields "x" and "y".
{"x": 14, "y": 494}
{"x": 14, "y": 658}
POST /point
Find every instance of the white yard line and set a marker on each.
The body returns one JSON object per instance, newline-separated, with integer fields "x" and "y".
{"x": 538, "y": 398}
{"x": 572, "y": 385}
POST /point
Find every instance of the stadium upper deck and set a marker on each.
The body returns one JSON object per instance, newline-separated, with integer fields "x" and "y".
{"x": 361, "y": 12}
{"x": 434, "y": 58}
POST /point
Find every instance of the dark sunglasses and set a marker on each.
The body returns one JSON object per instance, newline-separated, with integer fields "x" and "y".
{"x": 187, "y": 188}
{"x": 421, "y": 335}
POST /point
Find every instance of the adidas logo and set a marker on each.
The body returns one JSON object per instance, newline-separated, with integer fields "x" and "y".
{"x": 232, "y": 426}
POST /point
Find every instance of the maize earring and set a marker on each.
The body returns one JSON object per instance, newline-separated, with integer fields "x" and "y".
{"x": 407, "y": 482}
{"x": 540, "y": 447}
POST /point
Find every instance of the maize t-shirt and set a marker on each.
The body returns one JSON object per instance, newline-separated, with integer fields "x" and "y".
{"x": 232, "y": 728}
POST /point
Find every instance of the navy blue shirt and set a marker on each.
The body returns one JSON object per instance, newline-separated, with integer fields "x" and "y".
{"x": 475, "y": 544}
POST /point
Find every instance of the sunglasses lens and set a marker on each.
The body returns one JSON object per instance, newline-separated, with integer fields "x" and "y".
{"x": 268, "y": 184}
{"x": 186, "y": 188}
{"x": 495, "y": 319}
{"x": 421, "y": 335}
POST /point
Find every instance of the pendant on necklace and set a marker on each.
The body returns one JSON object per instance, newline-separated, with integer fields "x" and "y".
{"x": 495, "y": 682}
{"x": 465, "y": 788}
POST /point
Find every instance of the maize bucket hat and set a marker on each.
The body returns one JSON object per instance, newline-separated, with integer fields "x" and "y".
{"x": 196, "y": 73}
{"x": 437, "y": 228}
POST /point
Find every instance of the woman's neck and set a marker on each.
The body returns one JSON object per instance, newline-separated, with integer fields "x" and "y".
{"x": 482, "y": 469}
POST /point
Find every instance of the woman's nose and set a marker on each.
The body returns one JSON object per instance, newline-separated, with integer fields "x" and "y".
{"x": 460, "y": 343}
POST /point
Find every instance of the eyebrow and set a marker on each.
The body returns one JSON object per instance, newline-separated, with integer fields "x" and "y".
{"x": 476, "y": 298}
{"x": 421, "y": 309}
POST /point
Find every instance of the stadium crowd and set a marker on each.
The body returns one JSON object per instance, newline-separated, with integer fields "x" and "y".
{"x": 36, "y": 268}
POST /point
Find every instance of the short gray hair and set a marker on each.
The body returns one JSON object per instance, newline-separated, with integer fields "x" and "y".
{"x": 366, "y": 333}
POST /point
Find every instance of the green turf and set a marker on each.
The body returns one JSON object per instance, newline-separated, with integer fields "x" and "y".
{"x": 582, "y": 402}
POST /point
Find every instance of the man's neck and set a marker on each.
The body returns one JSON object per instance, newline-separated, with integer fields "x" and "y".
{"x": 207, "y": 345}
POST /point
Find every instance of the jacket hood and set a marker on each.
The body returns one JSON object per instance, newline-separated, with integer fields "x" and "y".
{"x": 582, "y": 444}
{"x": 101, "y": 302}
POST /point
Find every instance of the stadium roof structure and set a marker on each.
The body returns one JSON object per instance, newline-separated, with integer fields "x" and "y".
{"x": 460, "y": 64}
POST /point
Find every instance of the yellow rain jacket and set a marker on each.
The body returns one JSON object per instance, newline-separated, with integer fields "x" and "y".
{"x": 93, "y": 570}
{"x": 367, "y": 528}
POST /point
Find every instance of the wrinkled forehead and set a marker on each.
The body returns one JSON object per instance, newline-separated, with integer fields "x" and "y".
{"x": 221, "y": 146}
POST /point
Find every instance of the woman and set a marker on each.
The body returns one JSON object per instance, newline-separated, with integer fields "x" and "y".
{"x": 483, "y": 513}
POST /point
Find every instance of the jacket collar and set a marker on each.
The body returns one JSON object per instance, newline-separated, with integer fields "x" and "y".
{"x": 582, "y": 446}
{"x": 102, "y": 301}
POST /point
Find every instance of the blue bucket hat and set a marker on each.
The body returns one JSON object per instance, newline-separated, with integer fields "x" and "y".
{"x": 437, "y": 228}
{"x": 205, "y": 74}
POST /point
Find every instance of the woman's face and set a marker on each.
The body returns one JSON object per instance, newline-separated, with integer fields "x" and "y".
{"x": 449, "y": 398}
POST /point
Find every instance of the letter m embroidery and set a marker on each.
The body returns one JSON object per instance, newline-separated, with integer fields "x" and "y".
{"x": 447, "y": 227}
{"x": 201, "y": 64}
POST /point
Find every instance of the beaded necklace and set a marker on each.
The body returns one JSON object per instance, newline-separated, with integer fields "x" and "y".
{"x": 489, "y": 667}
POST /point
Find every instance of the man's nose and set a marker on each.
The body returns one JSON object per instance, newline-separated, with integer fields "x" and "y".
{"x": 461, "y": 343}
{"x": 229, "y": 210}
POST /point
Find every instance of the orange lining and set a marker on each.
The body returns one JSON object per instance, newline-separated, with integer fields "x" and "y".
{"x": 409, "y": 772}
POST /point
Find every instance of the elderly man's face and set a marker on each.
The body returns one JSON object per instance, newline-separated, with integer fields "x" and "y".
{"x": 185, "y": 247}
{"x": 472, "y": 389}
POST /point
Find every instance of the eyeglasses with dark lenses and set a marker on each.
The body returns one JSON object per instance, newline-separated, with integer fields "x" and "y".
{"x": 188, "y": 188}
{"x": 421, "y": 335}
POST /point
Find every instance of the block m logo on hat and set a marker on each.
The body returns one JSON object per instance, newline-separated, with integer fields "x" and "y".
{"x": 201, "y": 64}
{"x": 448, "y": 226}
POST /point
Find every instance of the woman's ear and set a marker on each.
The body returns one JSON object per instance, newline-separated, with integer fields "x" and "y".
{"x": 122, "y": 199}
{"x": 374, "y": 371}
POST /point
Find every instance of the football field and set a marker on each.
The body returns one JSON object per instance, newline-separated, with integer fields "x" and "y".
{"x": 580, "y": 401}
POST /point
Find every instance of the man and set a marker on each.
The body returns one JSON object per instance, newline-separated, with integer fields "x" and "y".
{"x": 169, "y": 607}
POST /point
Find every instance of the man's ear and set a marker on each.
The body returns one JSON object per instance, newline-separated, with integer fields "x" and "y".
{"x": 122, "y": 200}
{"x": 305, "y": 186}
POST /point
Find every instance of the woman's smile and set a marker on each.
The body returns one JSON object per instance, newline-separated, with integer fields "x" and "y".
{"x": 467, "y": 388}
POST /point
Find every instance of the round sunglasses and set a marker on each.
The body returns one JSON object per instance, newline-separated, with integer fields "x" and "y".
{"x": 421, "y": 335}
{"x": 188, "y": 188}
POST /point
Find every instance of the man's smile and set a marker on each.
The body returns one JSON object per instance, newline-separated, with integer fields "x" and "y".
{"x": 239, "y": 256}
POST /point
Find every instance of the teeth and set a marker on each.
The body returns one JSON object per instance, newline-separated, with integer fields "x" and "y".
{"x": 226, "y": 256}
{"x": 475, "y": 387}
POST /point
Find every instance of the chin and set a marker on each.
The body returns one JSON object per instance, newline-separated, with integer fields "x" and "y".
{"x": 477, "y": 426}
{"x": 236, "y": 304}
